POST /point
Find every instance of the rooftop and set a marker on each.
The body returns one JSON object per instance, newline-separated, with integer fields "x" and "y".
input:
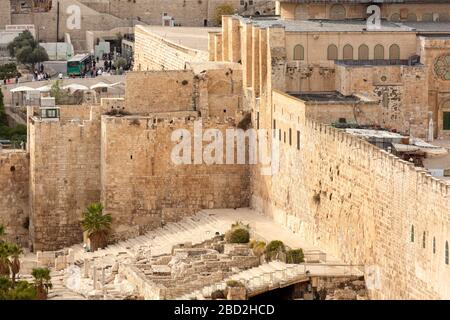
{"x": 325, "y": 25}
{"x": 194, "y": 38}
{"x": 332, "y": 96}
{"x": 347, "y": 25}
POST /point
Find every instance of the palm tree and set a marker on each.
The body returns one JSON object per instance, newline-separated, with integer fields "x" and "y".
{"x": 14, "y": 252}
{"x": 97, "y": 225}
{"x": 42, "y": 282}
{"x": 4, "y": 259}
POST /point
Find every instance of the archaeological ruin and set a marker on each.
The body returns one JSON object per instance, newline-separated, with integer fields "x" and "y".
{"x": 356, "y": 115}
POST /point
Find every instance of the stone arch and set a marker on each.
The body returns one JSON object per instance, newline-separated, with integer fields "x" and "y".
{"x": 363, "y": 52}
{"x": 411, "y": 17}
{"x": 337, "y": 12}
{"x": 348, "y": 52}
{"x": 332, "y": 52}
{"x": 395, "y": 17}
{"x": 394, "y": 52}
{"x": 378, "y": 52}
{"x": 299, "y": 52}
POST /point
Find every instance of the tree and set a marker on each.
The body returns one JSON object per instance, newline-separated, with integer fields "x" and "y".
{"x": 22, "y": 291}
{"x": 58, "y": 93}
{"x": 14, "y": 252}
{"x": 3, "y": 119}
{"x": 97, "y": 225}
{"x": 4, "y": 259}
{"x": 8, "y": 71}
{"x": 27, "y": 50}
{"x": 10, "y": 264}
{"x": 223, "y": 10}
{"x": 120, "y": 63}
{"x": 25, "y": 39}
{"x": 42, "y": 282}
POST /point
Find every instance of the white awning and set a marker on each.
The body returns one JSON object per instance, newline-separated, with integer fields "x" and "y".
{"x": 46, "y": 88}
{"x": 100, "y": 85}
{"x": 75, "y": 87}
{"x": 22, "y": 89}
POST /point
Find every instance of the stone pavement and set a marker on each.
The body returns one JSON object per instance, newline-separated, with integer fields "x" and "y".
{"x": 105, "y": 274}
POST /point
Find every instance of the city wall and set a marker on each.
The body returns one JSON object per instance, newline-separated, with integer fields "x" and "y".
{"x": 141, "y": 186}
{"x": 64, "y": 179}
{"x": 362, "y": 205}
{"x": 5, "y": 14}
{"x": 153, "y": 52}
{"x": 214, "y": 93}
{"x": 184, "y": 12}
{"x": 14, "y": 185}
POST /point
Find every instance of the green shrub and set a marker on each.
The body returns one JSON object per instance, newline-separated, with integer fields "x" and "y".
{"x": 258, "y": 247}
{"x": 295, "y": 256}
{"x": 274, "y": 248}
{"x": 239, "y": 235}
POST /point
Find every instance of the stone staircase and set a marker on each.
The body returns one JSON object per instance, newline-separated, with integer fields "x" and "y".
{"x": 191, "y": 230}
{"x": 267, "y": 276}
{"x": 273, "y": 275}
{"x": 194, "y": 230}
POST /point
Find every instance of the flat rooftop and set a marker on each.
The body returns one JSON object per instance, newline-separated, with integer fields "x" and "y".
{"x": 347, "y": 25}
{"x": 332, "y": 96}
{"x": 190, "y": 37}
{"x": 325, "y": 25}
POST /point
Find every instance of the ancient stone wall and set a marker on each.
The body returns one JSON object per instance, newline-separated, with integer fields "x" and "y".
{"x": 64, "y": 179}
{"x": 192, "y": 13}
{"x": 142, "y": 188}
{"x": 362, "y": 205}
{"x": 392, "y": 11}
{"x": 14, "y": 185}
{"x": 153, "y": 52}
{"x": 401, "y": 91}
{"x": 215, "y": 93}
{"x": 5, "y": 14}
{"x": 431, "y": 50}
{"x": 90, "y": 20}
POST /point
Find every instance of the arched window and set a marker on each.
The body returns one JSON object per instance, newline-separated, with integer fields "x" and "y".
{"x": 411, "y": 17}
{"x": 412, "y": 233}
{"x": 337, "y": 12}
{"x": 424, "y": 239}
{"x": 348, "y": 52}
{"x": 394, "y": 52}
{"x": 427, "y": 17}
{"x": 363, "y": 52}
{"x": 446, "y": 252}
{"x": 299, "y": 52}
{"x": 378, "y": 52}
{"x": 395, "y": 17}
{"x": 332, "y": 52}
{"x": 434, "y": 245}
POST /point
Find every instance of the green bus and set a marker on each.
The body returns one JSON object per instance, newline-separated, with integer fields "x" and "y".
{"x": 79, "y": 65}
